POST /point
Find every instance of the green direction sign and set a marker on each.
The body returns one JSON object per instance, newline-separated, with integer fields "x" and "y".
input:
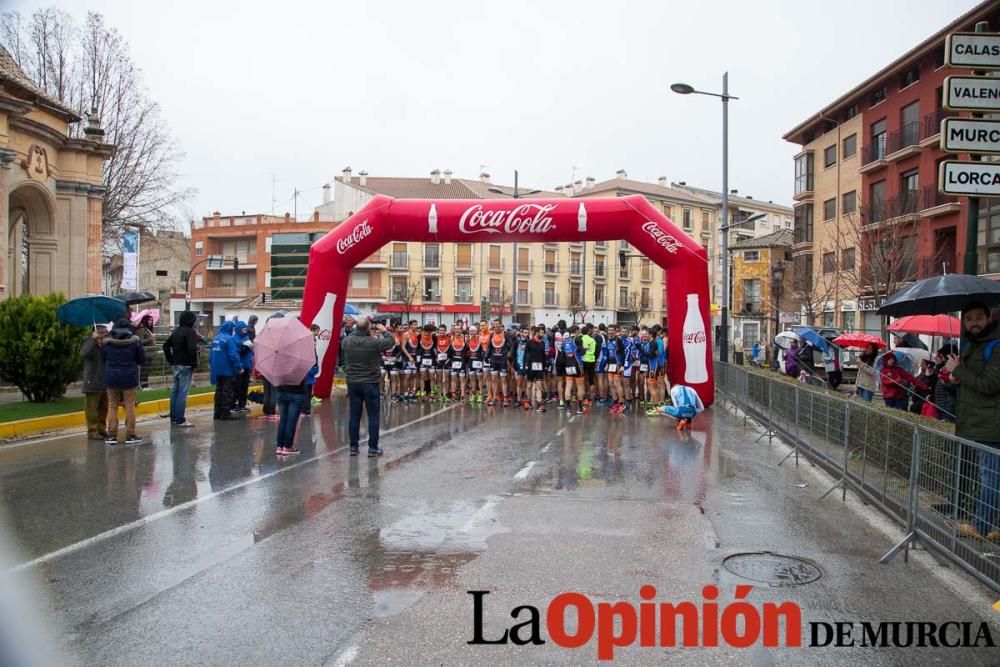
{"x": 484, "y": 308}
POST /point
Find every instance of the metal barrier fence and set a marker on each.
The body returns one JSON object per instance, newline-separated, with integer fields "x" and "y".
{"x": 923, "y": 478}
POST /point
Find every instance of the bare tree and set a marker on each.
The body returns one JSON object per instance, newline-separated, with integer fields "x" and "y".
{"x": 90, "y": 70}
{"x": 636, "y": 307}
{"x": 407, "y": 297}
{"x": 577, "y": 309}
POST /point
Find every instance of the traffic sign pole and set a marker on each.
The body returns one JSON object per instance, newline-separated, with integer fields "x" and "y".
{"x": 972, "y": 221}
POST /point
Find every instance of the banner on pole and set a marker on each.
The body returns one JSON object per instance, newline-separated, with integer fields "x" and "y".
{"x": 130, "y": 260}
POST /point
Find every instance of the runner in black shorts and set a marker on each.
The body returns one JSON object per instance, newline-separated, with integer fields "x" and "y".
{"x": 534, "y": 357}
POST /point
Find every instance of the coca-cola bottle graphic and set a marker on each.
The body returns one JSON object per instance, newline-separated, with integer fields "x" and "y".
{"x": 581, "y": 218}
{"x": 324, "y": 319}
{"x": 695, "y": 343}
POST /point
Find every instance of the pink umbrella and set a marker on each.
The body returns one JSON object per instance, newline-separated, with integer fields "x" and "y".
{"x": 284, "y": 351}
{"x": 152, "y": 312}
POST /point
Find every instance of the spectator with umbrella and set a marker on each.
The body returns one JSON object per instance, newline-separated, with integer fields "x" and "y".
{"x": 893, "y": 380}
{"x": 123, "y": 354}
{"x": 95, "y": 391}
{"x": 867, "y": 381}
{"x": 286, "y": 356}
{"x": 144, "y": 330}
{"x": 944, "y": 389}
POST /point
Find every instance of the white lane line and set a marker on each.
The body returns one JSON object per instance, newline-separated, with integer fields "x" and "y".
{"x": 523, "y": 472}
{"x": 546, "y": 447}
{"x": 138, "y": 523}
{"x": 481, "y": 513}
{"x": 346, "y": 656}
{"x": 560, "y": 431}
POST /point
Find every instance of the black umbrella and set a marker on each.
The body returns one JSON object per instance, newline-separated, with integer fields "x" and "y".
{"x": 132, "y": 298}
{"x": 942, "y": 294}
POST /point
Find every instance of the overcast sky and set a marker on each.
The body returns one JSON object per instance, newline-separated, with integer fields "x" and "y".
{"x": 297, "y": 91}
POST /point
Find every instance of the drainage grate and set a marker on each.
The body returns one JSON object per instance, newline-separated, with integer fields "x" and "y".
{"x": 772, "y": 569}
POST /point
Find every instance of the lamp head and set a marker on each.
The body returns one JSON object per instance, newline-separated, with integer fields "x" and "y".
{"x": 681, "y": 88}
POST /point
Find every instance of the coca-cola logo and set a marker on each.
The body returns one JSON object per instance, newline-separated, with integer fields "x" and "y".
{"x": 358, "y": 234}
{"x": 324, "y": 334}
{"x": 523, "y": 219}
{"x": 695, "y": 337}
{"x": 669, "y": 243}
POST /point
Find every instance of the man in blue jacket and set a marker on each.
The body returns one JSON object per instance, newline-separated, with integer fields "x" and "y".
{"x": 226, "y": 367}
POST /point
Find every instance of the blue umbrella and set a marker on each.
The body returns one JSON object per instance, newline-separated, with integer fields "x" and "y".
{"x": 810, "y": 335}
{"x": 351, "y": 310}
{"x": 89, "y": 310}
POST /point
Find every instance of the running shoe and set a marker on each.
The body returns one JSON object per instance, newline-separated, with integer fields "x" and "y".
{"x": 506, "y": 402}
{"x": 354, "y": 451}
{"x": 682, "y": 424}
{"x": 651, "y": 412}
{"x": 540, "y": 409}
{"x": 579, "y": 409}
{"x": 562, "y": 403}
{"x": 111, "y": 442}
{"x": 373, "y": 452}
{"x": 490, "y": 403}
{"x": 526, "y": 405}
{"x": 289, "y": 451}
{"x": 134, "y": 439}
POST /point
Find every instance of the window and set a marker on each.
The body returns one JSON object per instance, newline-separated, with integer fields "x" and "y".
{"x": 644, "y": 299}
{"x": 495, "y": 262}
{"x": 432, "y": 256}
{"x": 463, "y": 256}
{"x": 751, "y": 332}
{"x": 751, "y": 255}
{"x": 199, "y": 281}
{"x": 830, "y": 156}
{"x": 850, "y": 146}
{"x": 849, "y": 320}
{"x": 909, "y": 123}
{"x": 523, "y": 297}
{"x": 878, "y": 140}
{"x": 184, "y": 276}
{"x": 909, "y": 77}
{"x": 432, "y": 288}
{"x": 160, "y": 273}
{"x": 622, "y": 298}
{"x": 803, "y": 278}
{"x": 574, "y": 295}
{"x": 199, "y": 248}
{"x": 575, "y": 266}
{"x": 830, "y": 209}
{"x": 550, "y": 295}
{"x": 359, "y": 279}
{"x": 400, "y": 258}
{"x": 550, "y": 261}
{"x": 878, "y": 95}
{"x": 909, "y": 191}
{"x": 646, "y": 270}
{"x": 267, "y": 245}
{"x": 804, "y": 223}
{"x": 267, "y": 279}
{"x": 706, "y": 222}
{"x": 599, "y": 297}
{"x": 850, "y": 112}
{"x": 751, "y": 296}
{"x": 495, "y": 290}
{"x": 829, "y": 319}
{"x": 847, "y": 259}
{"x": 849, "y": 202}
{"x": 829, "y": 262}
{"x": 523, "y": 260}
{"x": 804, "y": 173}
{"x": 400, "y": 290}
{"x": 668, "y": 211}
{"x": 687, "y": 219}
{"x": 600, "y": 268}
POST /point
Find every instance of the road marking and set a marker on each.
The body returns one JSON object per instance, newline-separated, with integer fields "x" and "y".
{"x": 138, "y": 523}
{"x": 560, "y": 431}
{"x": 546, "y": 447}
{"x": 481, "y": 513}
{"x": 523, "y": 472}
{"x": 346, "y": 656}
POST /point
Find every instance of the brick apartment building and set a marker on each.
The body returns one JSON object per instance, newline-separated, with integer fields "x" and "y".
{"x": 868, "y": 214}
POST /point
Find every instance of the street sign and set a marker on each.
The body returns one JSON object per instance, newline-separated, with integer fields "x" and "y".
{"x": 969, "y": 178}
{"x": 970, "y": 135}
{"x": 971, "y": 93}
{"x": 972, "y": 50}
{"x": 484, "y": 308}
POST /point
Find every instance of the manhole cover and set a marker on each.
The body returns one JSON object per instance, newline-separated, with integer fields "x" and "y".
{"x": 772, "y": 569}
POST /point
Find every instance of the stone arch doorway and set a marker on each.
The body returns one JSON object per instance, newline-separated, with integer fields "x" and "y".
{"x": 31, "y": 241}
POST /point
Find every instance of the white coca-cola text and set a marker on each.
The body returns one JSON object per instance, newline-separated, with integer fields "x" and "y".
{"x": 695, "y": 337}
{"x": 358, "y": 234}
{"x": 669, "y": 243}
{"x": 526, "y": 218}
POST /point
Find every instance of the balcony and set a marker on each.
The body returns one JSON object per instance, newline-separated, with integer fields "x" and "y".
{"x": 463, "y": 297}
{"x": 624, "y": 274}
{"x": 525, "y": 267}
{"x": 600, "y": 302}
{"x": 601, "y": 272}
{"x": 904, "y": 142}
{"x": 934, "y": 203}
{"x": 932, "y": 127}
{"x": 523, "y": 297}
{"x": 376, "y": 260}
{"x": 551, "y": 298}
{"x": 575, "y": 269}
{"x": 432, "y": 262}
{"x": 431, "y": 297}
{"x": 752, "y": 308}
{"x": 600, "y": 246}
{"x": 229, "y": 292}
{"x": 873, "y": 156}
{"x": 463, "y": 267}
{"x": 248, "y": 262}
{"x": 496, "y": 265}
{"x": 551, "y": 267}
{"x": 367, "y": 293}
{"x": 400, "y": 261}
{"x": 901, "y": 208}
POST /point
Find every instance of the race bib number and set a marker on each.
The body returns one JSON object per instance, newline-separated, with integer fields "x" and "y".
{"x": 571, "y": 370}
{"x": 442, "y": 356}
{"x": 389, "y": 362}
{"x": 643, "y": 368}
{"x": 612, "y": 368}
{"x": 478, "y": 365}
{"x": 536, "y": 365}
{"x": 425, "y": 361}
{"x": 456, "y": 365}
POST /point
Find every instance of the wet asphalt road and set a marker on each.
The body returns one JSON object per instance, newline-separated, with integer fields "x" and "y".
{"x": 201, "y": 548}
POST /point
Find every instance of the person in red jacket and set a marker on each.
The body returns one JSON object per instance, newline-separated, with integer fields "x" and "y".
{"x": 892, "y": 379}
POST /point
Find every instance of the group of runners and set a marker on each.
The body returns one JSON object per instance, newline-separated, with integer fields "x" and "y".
{"x": 620, "y": 367}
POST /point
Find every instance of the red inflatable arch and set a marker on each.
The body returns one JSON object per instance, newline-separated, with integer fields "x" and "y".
{"x": 631, "y": 218}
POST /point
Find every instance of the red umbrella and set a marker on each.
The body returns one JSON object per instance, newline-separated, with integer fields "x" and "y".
{"x": 929, "y": 325}
{"x": 858, "y": 340}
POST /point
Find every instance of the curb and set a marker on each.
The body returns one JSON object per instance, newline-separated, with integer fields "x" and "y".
{"x": 23, "y": 428}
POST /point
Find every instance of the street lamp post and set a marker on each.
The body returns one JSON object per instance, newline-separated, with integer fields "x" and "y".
{"x": 685, "y": 89}
{"x": 514, "y": 195}
{"x": 777, "y": 286}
